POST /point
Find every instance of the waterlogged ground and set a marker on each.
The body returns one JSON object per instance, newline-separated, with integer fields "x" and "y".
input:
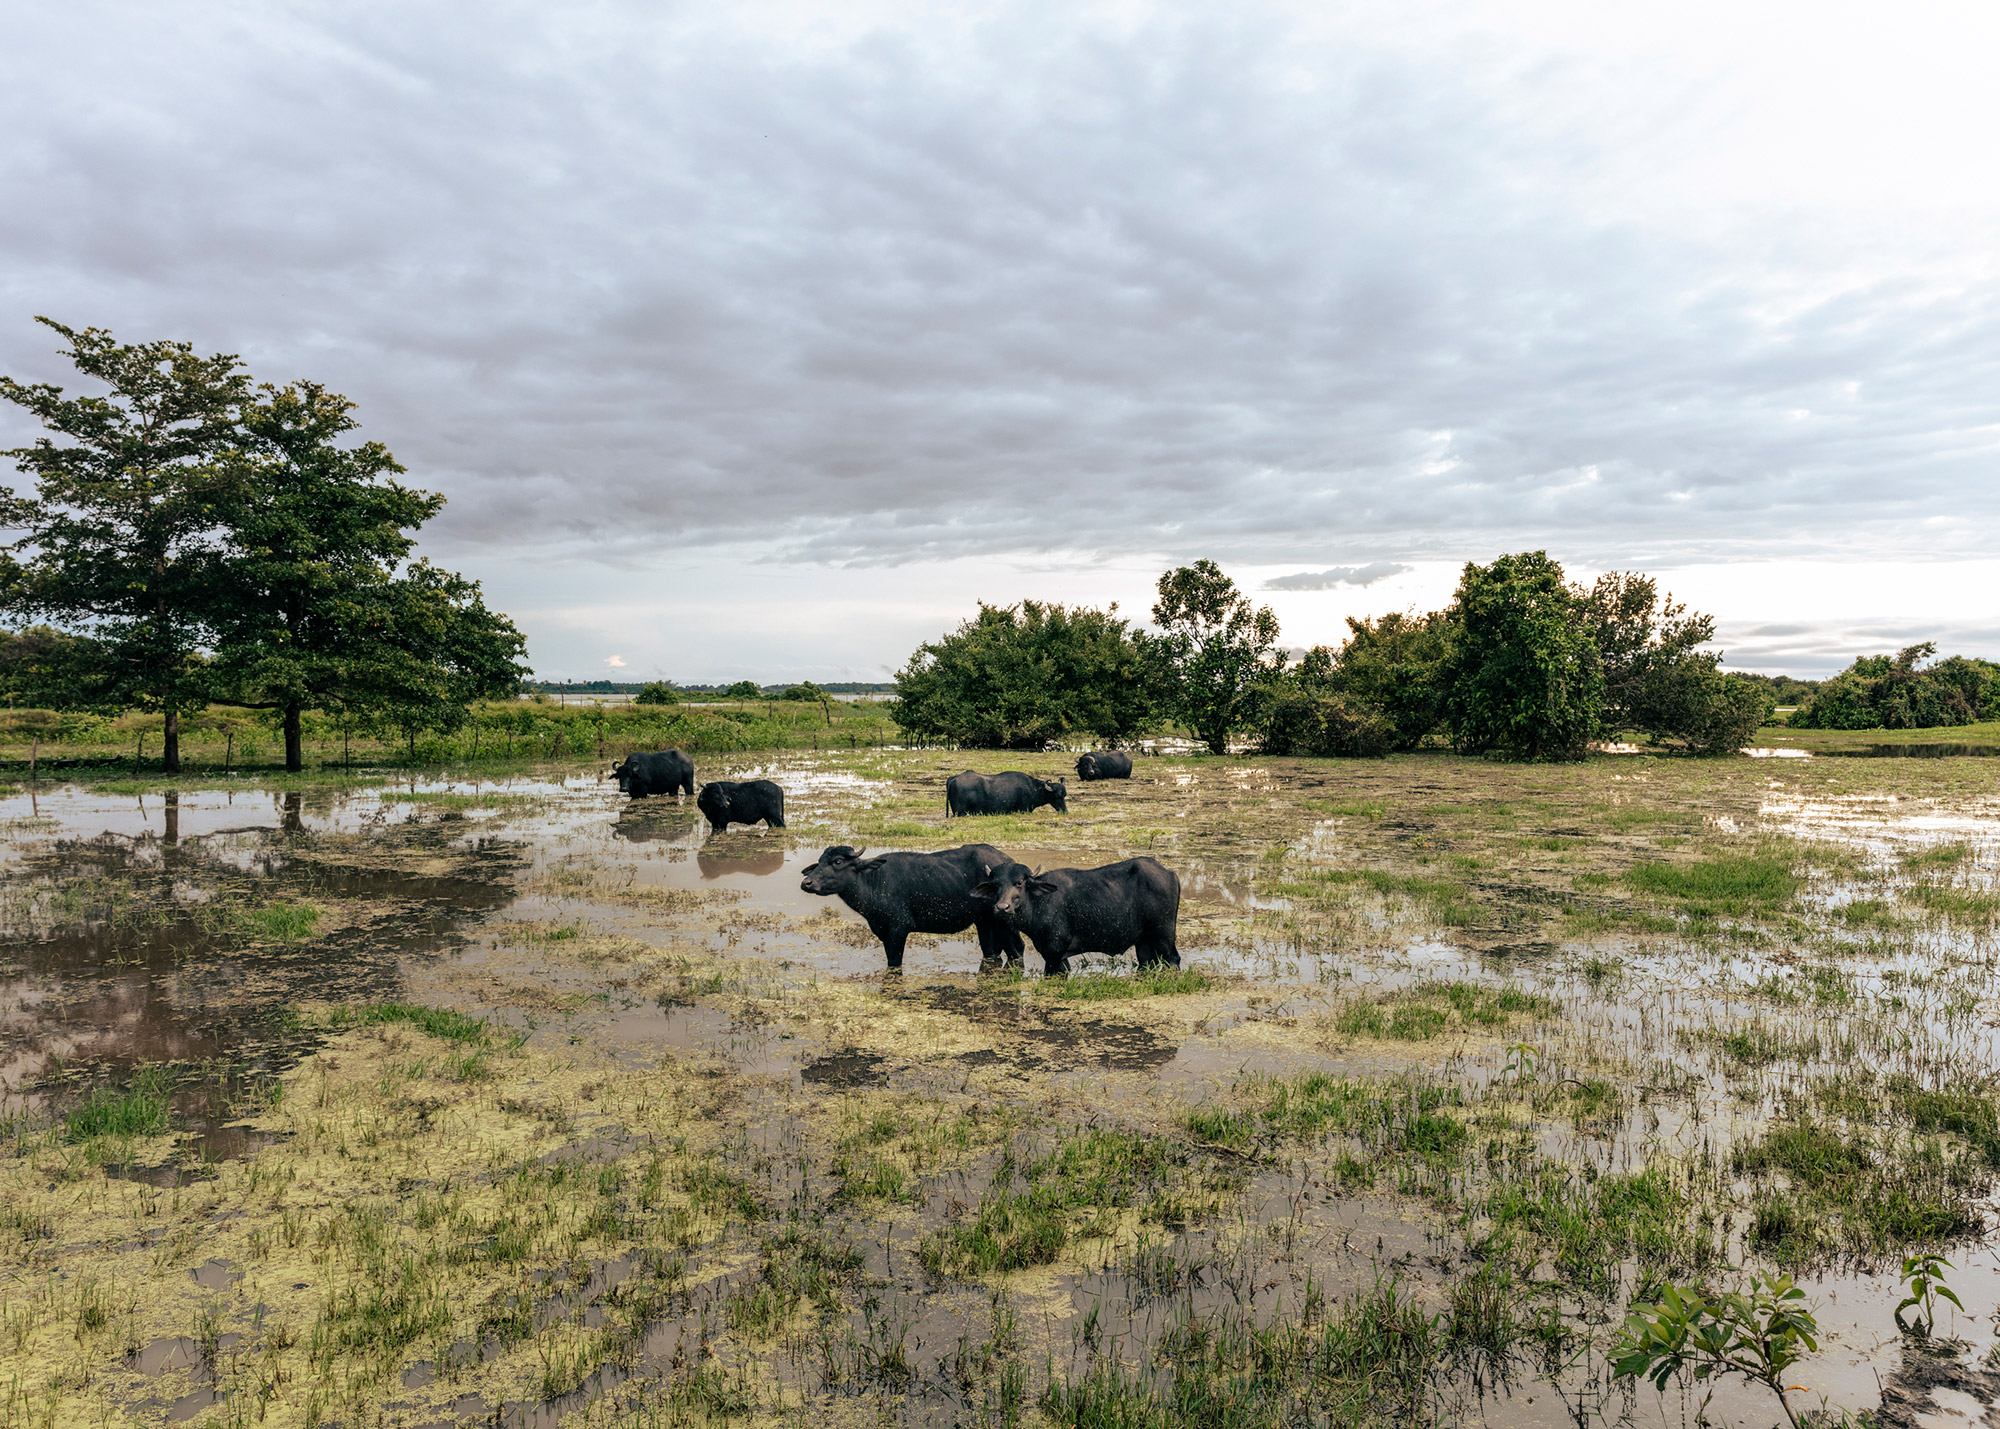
{"x": 424, "y": 1101}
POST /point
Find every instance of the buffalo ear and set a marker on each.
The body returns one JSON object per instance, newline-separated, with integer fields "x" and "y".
{"x": 1041, "y": 885}
{"x": 986, "y": 892}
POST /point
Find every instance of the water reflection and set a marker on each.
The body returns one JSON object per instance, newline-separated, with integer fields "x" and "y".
{"x": 758, "y": 863}
{"x": 655, "y": 823}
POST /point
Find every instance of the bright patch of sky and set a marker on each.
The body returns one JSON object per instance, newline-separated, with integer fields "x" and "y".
{"x": 764, "y": 340}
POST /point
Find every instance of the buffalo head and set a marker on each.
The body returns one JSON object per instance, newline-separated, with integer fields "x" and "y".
{"x": 832, "y": 873}
{"x": 1011, "y": 889}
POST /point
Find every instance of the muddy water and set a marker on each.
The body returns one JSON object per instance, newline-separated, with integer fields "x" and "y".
{"x": 437, "y": 896}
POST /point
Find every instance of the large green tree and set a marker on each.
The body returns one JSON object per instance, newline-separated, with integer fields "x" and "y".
{"x": 1027, "y": 676}
{"x": 1522, "y": 675}
{"x": 1657, "y": 681}
{"x": 314, "y": 604}
{"x": 122, "y": 536}
{"x": 1217, "y": 649}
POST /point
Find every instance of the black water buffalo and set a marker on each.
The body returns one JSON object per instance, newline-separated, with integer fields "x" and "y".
{"x": 1104, "y": 766}
{"x": 667, "y": 772}
{"x": 1009, "y": 793}
{"x": 725, "y": 803}
{"x": 1066, "y": 911}
{"x": 904, "y": 893}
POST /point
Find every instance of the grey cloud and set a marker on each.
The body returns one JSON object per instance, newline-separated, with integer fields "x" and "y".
{"x": 617, "y": 280}
{"x": 1814, "y": 651}
{"x": 1337, "y": 576}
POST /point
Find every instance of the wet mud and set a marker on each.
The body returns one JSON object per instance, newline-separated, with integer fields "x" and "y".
{"x": 440, "y": 1100}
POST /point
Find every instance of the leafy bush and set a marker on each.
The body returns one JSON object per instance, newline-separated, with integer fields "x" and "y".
{"x": 657, "y": 692}
{"x": 1030, "y": 675}
{"x": 1301, "y": 721}
{"x": 1893, "y": 692}
{"x": 1521, "y": 676}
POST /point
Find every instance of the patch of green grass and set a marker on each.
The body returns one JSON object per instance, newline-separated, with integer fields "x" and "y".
{"x": 1939, "y": 856}
{"x": 1444, "y": 901}
{"x": 279, "y": 922}
{"x": 139, "y": 1110}
{"x": 1949, "y": 900}
{"x": 1591, "y": 1223}
{"x": 1157, "y": 981}
{"x": 1839, "y": 1192}
{"x": 461, "y": 803}
{"x": 1431, "y": 1008}
{"x": 439, "y": 1022}
{"x": 1218, "y": 1126}
{"x": 795, "y": 1268}
{"x": 1732, "y": 886}
{"x": 879, "y": 1178}
{"x": 1756, "y": 1045}
{"x": 1346, "y": 808}
{"x": 1869, "y": 913}
{"x": 1030, "y": 1222}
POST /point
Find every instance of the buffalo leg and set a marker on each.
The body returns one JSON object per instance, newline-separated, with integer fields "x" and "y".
{"x": 892, "y": 946}
{"x": 998, "y": 943}
{"x": 1159, "y": 948}
{"x": 989, "y": 943}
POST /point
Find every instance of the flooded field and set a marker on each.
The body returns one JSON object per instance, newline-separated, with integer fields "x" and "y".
{"x": 417, "y": 1101}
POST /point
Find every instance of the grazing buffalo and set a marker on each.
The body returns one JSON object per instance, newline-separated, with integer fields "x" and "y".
{"x": 667, "y": 772}
{"x": 904, "y": 893}
{"x": 725, "y": 803}
{"x": 1066, "y": 911}
{"x": 1009, "y": 793}
{"x": 1104, "y": 766}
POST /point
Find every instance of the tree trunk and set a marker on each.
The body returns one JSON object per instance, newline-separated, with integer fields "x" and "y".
{"x": 295, "y": 755}
{"x": 170, "y": 760}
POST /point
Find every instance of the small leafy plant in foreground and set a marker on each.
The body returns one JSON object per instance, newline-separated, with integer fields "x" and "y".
{"x": 1923, "y": 1277}
{"x": 1758, "y": 1333}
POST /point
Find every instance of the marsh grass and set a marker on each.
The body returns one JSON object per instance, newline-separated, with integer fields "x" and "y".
{"x": 1827, "y": 1192}
{"x": 1156, "y": 981}
{"x": 456, "y": 1201}
{"x": 1031, "y": 1218}
{"x": 140, "y": 1109}
{"x": 440, "y": 1022}
{"x": 1733, "y": 885}
{"x": 1371, "y": 1360}
{"x": 1436, "y": 1007}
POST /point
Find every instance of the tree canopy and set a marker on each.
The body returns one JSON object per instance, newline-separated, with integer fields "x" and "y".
{"x": 1521, "y": 676}
{"x": 123, "y": 537}
{"x": 1216, "y": 649}
{"x": 1030, "y": 675}
{"x": 224, "y": 544}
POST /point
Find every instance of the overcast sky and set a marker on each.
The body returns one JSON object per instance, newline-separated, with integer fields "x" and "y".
{"x": 766, "y": 339}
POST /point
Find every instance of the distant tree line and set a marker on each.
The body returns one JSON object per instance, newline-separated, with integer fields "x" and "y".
{"x": 196, "y": 539}
{"x": 739, "y": 690}
{"x": 1522, "y": 664}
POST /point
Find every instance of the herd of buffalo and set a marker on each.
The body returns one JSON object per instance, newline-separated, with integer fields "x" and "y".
{"x": 1064, "y": 911}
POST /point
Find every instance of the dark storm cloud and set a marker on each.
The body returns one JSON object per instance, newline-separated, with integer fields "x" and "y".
{"x": 1337, "y": 576}
{"x": 615, "y": 279}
